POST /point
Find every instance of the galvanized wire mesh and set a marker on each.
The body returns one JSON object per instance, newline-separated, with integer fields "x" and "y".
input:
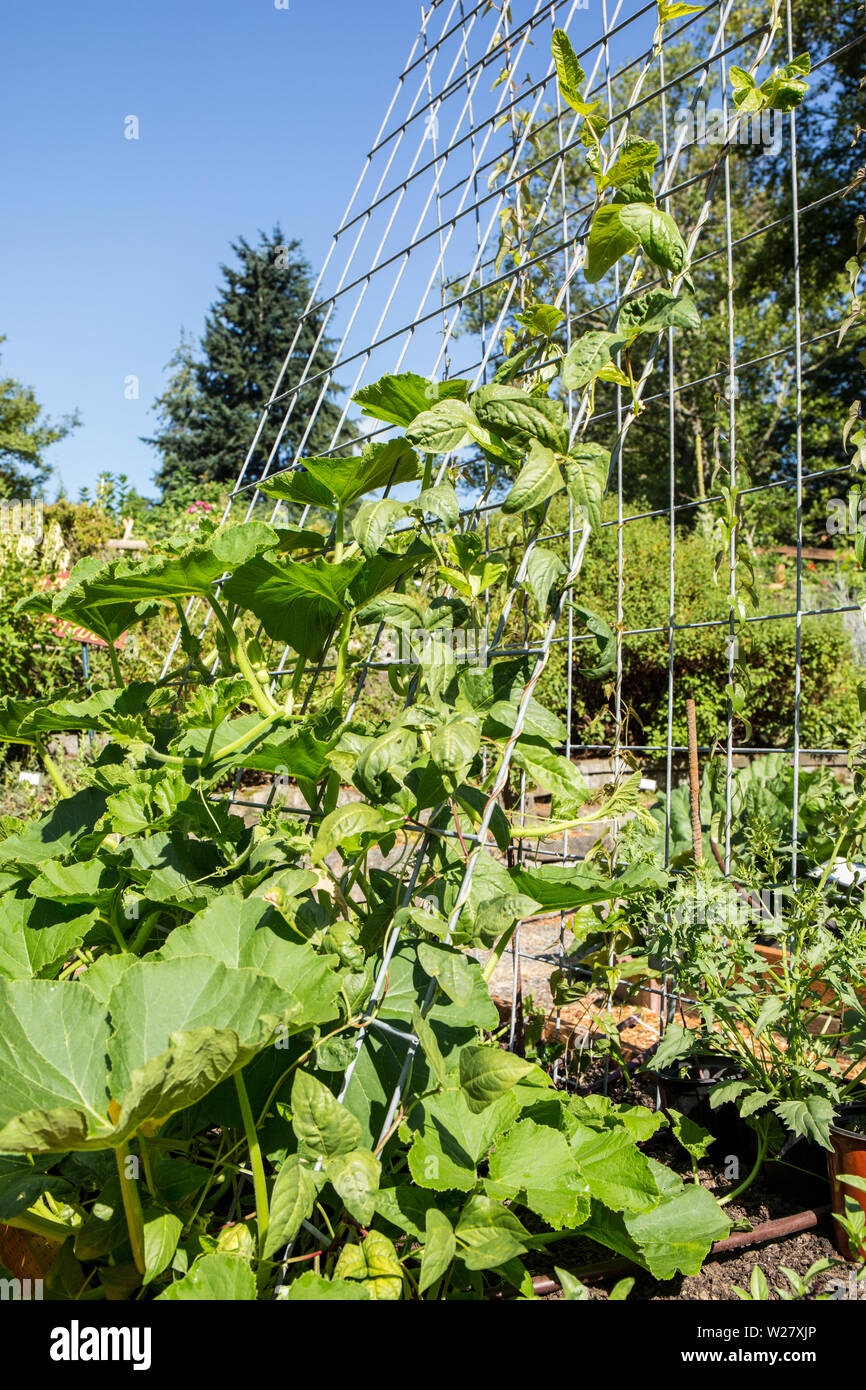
{"x": 415, "y": 280}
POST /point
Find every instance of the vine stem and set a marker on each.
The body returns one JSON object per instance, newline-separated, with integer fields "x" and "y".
{"x": 763, "y": 1139}
{"x": 115, "y": 664}
{"x": 266, "y": 705}
{"x": 131, "y": 1207}
{"x": 52, "y": 769}
{"x": 497, "y": 952}
{"x": 260, "y": 1186}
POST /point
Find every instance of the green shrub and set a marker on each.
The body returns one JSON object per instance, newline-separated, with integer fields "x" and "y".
{"x": 829, "y": 672}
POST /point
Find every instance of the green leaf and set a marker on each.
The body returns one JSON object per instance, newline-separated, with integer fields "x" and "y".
{"x": 541, "y": 318}
{"x": 534, "y": 1164}
{"x": 214, "y": 1278}
{"x": 440, "y": 501}
{"x": 674, "y": 9}
{"x": 488, "y": 1234}
{"x": 297, "y": 603}
{"x": 374, "y": 1264}
{"x": 604, "y": 646}
{"x": 53, "y": 1079}
{"x": 519, "y": 417}
{"x": 443, "y": 428}
{"x": 439, "y": 1247}
{"x": 620, "y": 1291}
{"x": 355, "y": 1178}
{"x": 586, "y": 469}
{"x": 345, "y": 826}
{"x": 679, "y": 1233}
{"x": 292, "y": 1201}
{"x": 543, "y": 568}
{"x": 164, "y": 577}
{"x": 399, "y": 399}
{"x": 784, "y": 89}
{"x": 374, "y": 521}
{"x": 430, "y": 1047}
{"x": 251, "y": 934}
{"x": 745, "y": 90}
{"x": 551, "y": 772}
{"x": 76, "y": 603}
{"x": 569, "y": 74}
{"x": 675, "y": 1237}
{"x": 449, "y": 968}
{"x": 313, "y": 1288}
{"x": 676, "y": 1043}
{"x": 693, "y": 1137}
{"x": 162, "y": 1231}
{"x": 614, "y": 1170}
{"x": 379, "y": 465}
{"x": 321, "y": 1123}
{"x": 573, "y": 1291}
{"x": 558, "y": 886}
{"x": 638, "y": 157}
{"x": 609, "y": 239}
{"x": 182, "y": 1026}
{"x": 811, "y": 1117}
{"x": 487, "y": 1072}
{"x": 657, "y": 233}
{"x": 450, "y": 1138}
{"x": 769, "y": 1013}
{"x": 590, "y": 357}
{"x": 655, "y": 311}
{"x": 332, "y": 482}
{"x": 539, "y": 478}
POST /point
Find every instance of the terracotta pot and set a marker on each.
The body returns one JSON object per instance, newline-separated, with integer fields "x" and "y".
{"x": 848, "y": 1156}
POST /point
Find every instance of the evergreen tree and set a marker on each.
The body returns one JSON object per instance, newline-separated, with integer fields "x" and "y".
{"x": 25, "y": 433}
{"x": 211, "y": 408}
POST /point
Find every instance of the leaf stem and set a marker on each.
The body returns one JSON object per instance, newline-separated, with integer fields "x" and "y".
{"x": 763, "y": 1139}
{"x": 260, "y": 1185}
{"x": 115, "y": 664}
{"x": 266, "y": 705}
{"x": 51, "y": 768}
{"x": 131, "y": 1207}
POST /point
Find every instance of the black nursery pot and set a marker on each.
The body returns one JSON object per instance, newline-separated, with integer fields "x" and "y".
{"x": 687, "y": 1088}
{"x": 799, "y": 1170}
{"x": 801, "y": 1167}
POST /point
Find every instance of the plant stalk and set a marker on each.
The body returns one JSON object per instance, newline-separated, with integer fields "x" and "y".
{"x": 132, "y": 1208}
{"x": 260, "y": 1186}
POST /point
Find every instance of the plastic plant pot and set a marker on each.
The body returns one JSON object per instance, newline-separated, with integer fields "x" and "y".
{"x": 848, "y": 1156}
{"x": 687, "y": 1088}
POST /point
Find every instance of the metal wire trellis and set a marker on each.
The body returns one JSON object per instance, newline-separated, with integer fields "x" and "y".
{"x": 416, "y": 279}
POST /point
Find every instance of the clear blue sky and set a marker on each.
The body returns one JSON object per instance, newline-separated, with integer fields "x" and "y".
{"x": 248, "y": 115}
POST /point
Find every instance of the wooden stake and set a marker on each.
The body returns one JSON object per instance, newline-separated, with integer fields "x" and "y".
{"x": 694, "y": 781}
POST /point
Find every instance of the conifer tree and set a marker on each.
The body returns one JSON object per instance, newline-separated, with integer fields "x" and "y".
{"x": 209, "y": 412}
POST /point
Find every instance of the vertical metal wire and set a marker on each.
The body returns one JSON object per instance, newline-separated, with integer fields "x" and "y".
{"x": 798, "y": 406}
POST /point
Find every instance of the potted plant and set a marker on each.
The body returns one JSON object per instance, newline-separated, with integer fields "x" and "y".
{"x": 796, "y": 1067}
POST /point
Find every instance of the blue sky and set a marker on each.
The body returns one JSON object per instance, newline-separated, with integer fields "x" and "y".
{"x": 248, "y": 114}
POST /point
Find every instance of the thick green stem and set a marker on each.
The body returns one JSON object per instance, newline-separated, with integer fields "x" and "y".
{"x": 267, "y": 706}
{"x": 51, "y": 768}
{"x": 142, "y": 935}
{"x": 763, "y": 1139}
{"x": 115, "y": 664}
{"x": 241, "y": 742}
{"x": 131, "y": 1207}
{"x": 260, "y": 1186}
{"x": 342, "y": 657}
